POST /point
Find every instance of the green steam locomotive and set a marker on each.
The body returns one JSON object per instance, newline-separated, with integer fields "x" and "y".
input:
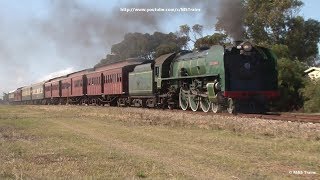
{"x": 241, "y": 77}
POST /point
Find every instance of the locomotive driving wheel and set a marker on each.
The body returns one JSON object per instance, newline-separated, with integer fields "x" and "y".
{"x": 205, "y": 104}
{"x": 231, "y": 106}
{"x": 194, "y": 102}
{"x": 216, "y": 107}
{"x": 183, "y": 100}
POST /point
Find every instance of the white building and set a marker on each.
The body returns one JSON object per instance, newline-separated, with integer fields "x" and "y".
{"x": 313, "y": 72}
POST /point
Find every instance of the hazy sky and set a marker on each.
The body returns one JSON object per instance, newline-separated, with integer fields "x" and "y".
{"x": 44, "y": 38}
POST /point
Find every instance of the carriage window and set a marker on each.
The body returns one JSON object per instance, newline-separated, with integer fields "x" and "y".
{"x": 120, "y": 77}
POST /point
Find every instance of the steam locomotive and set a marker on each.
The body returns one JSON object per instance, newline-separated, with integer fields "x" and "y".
{"x": 242, "y": 77}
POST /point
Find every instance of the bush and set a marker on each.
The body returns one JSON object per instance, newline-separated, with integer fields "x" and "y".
{"x": 311, "y": 94}
{"x": 291, "y": 81}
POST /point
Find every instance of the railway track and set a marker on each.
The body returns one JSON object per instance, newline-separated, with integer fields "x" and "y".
{"x": 308, "y": 118}
{"x": 292, "y": 117}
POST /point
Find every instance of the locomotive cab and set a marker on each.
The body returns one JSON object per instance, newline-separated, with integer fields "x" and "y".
{"x": 250, "y": 76}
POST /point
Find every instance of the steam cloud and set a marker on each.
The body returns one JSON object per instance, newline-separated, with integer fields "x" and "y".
{"x": 75, "y": 27}
{"x": 80, "y": 34}
{"x": 80, "y": 31}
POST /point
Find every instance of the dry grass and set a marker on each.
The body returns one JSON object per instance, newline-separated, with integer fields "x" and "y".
{"x": 113, "y": 143}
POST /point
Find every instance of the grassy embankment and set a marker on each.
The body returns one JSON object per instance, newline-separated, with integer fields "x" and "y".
{"x": 105, "y": 142}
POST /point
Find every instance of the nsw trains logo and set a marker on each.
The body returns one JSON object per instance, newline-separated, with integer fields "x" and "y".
{"x": 214, "y": 63}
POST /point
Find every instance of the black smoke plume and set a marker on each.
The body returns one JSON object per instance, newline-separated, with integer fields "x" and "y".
{"x": 230, "y": 18}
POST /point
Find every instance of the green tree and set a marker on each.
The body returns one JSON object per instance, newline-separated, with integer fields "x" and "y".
{"x": 144, "y": 46}
{"x": 266, "y": 21}
{"x": 302, "y": 39}
{"x": 185, "y": 30}
{"x": 276, "y": 22}
{"x": 166, "y": 48}
{"x": 216, "y": 38}
{"x": 281, "y": 50}
{"x": 291, "y": 81}
{"x": 197, "y": 30}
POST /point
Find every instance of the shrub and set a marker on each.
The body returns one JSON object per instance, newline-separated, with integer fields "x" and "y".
{"x": 311, "y": 94}
{"x": 291, "y": 81}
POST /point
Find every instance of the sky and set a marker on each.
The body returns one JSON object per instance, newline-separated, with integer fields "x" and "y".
{"x": 40, "y": 39}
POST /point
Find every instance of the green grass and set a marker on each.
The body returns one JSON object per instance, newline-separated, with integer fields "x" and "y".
{"x": 113, "y": 143}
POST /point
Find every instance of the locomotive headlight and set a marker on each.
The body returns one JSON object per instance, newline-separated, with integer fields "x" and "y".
{"x": 247, "y": 46}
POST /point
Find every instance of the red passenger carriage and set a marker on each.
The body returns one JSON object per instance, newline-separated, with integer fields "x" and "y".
{"x": 75, "y": 87}
{"x": 107, "y": 84}
{"x": 52, "y": 92}
{"x": 18, "y": 95}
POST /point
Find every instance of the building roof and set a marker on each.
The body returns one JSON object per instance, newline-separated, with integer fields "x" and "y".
{"x": 313, "y": 72}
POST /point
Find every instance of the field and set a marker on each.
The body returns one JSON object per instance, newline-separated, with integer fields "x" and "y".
{"x": 131, "y": 143}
